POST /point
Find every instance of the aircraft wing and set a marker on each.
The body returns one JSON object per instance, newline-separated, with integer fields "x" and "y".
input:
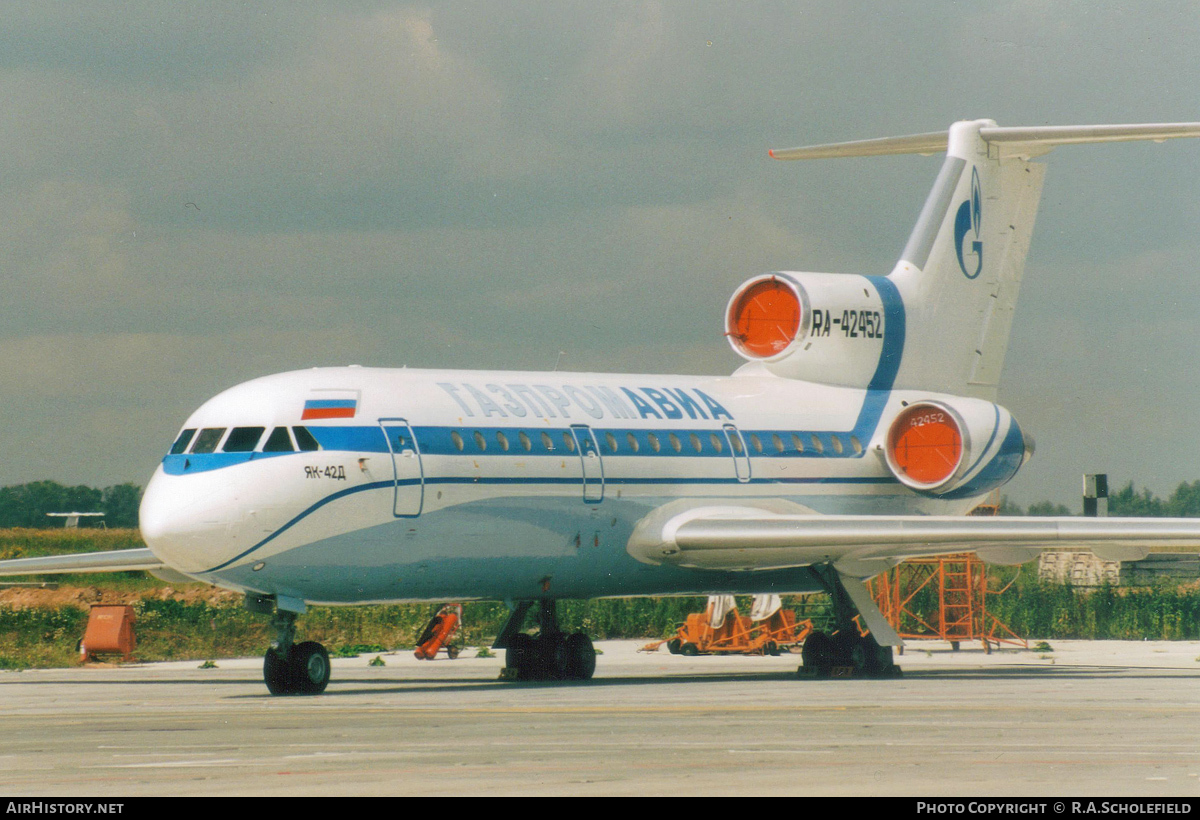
{"x": 112, "y": 561}
{"x": 748, "y": 539}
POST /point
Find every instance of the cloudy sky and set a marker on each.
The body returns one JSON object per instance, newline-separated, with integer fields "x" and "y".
{"x": 192, "y": 195}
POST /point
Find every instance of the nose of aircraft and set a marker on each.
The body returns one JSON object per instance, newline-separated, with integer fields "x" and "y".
{"x": 185, "y": 520}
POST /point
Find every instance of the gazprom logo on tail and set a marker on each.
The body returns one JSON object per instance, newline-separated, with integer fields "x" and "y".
{"x": 968, "y": 221}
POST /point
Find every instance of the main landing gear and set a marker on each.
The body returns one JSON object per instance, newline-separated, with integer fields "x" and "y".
{"x": 291, "y": 668}
{"x": 551, "y": 655}
{"x": 846, "y": 650}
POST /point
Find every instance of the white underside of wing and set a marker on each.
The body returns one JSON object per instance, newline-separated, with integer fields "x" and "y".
{"x": 730, "y": 538}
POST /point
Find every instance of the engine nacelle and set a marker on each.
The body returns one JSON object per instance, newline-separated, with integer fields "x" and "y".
{"x": 953, "y": 448}
{"x": 823, "y": 327}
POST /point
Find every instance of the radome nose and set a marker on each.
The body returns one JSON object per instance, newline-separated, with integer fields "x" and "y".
{"x": 183, "y": 520}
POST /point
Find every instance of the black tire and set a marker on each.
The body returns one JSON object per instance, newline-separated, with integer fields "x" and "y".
{"x": 846, "y": 647}
{"x": 581, "y": 657}
{"x": 689, "y": 650}
{"x": 309, "y": 664}
{"x": 277, "y": 673}
{"x": 519, "y": 655}
{"x": 552, "y": 661}
{"x": 452, "y": 651}
{"x": 817, "y": 654}
{"x": 673, "y": 646}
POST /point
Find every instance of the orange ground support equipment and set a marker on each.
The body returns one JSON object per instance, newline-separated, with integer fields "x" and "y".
{"x": 735, "y": 634}
{"x": 438, "y": 633}
{"x": 109, "y": 631}
{"x": 942, "y": 598}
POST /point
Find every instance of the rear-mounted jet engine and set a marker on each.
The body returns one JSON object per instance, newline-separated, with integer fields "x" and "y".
{"x": 949, "y": 449}
{"x": 823, "y": 327}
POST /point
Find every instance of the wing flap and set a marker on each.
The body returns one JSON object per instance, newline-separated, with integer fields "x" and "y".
{"x": 112, "y": 561}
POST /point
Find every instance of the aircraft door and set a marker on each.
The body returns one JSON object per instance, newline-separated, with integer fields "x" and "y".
{"x": 593, "y": 465}
{"x": 406, "y": 468}
{"x": 737, "y": 448}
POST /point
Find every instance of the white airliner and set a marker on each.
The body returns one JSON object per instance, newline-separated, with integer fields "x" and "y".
{"x": 861, "y": 431}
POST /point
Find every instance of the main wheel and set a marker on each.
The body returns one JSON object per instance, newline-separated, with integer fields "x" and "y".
{"x": 310, "y": 668}
{"x": 520, "y": 655}
{"x": 552, "y": 662}
{"x": 581, "y": 657}
{"x": 817, "y": 655}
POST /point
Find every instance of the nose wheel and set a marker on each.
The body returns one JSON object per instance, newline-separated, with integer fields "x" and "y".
{"x": 291, "y": 668}
{"x": 302, "y": 670}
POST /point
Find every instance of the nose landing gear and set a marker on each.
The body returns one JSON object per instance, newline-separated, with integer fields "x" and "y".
{"x": 302, "y": 670}
{"x": 290, "y": 668}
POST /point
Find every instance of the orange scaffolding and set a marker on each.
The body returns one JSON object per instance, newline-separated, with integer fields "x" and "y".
{"x": 944, "y": 598}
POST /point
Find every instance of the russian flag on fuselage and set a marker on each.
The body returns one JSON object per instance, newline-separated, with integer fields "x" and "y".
{"x": 329, "y": 409}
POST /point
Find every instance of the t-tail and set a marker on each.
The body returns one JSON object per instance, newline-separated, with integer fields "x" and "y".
{"x": 961, "y": 269}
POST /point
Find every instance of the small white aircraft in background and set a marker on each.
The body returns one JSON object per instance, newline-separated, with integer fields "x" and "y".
{"x": 860, "y": 432}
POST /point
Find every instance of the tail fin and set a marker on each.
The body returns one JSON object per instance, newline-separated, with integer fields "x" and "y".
{"x": 961, "y": 269}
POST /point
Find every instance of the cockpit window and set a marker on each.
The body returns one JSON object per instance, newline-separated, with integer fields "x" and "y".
{"x": 181, "y": 443}
{"x": 278, "y": 442}
{"x": 243, "y": 439}
{"x": 305, "y": 440}
{"x": 208, "y": 439}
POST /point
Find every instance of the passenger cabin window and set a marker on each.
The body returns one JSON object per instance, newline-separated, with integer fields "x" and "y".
{"x": 208, "y": 440}
{"x": 480, "y": 441}
{"x": 569, "y": 442}
{"x": 457, "y": 439}
{"x": 305, "y": 440}
{"x": 181, "y": 443}
{"x": 243, "y": 439}
{"x": 653, "y": 439}
{"x": 547, "y": 442}
{"x": 526, "y": 444}
{"x": 676, "y": 444}
{"x": 279, "y": 442}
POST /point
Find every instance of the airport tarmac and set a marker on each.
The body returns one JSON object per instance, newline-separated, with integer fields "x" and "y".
{"x": 1088, "y": 719}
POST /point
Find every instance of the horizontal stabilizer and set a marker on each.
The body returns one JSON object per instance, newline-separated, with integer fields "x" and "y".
{"x": 1006, "y": 140}
{"x": 114, "y": 561}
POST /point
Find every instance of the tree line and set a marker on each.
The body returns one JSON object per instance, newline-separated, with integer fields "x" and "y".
{"x": 26, "y": 505}
{"x": 1183, "y": 502}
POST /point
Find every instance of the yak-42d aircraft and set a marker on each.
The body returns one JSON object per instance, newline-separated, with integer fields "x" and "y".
{"x": 862, "y": 429}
